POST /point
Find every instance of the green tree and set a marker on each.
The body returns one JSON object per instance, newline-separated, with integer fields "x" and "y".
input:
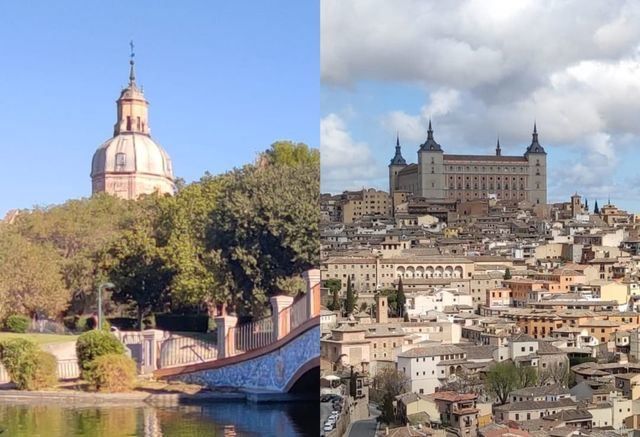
{"x": 387, "y": 384}
{"x": 265, "y": 229}
{"x": 77, "y": 231}
{"x": 334, "y": 285}
{"x": 138, "y": 270}
{"x": 507, "y": 274}
{"x": 292, "y": 154}
{"x": 401, "y": 298}
{"x": 182, "y": 225}
{"x": 350, "y": 300}
{"x": 504, "y": 377}
{"x": 30, "y": 279}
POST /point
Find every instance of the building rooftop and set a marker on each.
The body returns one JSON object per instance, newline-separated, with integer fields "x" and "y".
{"x": 430, "y": 351}
{"x": 536, "y": 405}
{"x": 545, "y": 390}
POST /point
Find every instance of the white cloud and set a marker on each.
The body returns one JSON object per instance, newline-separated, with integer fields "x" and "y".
{"x": 492, "y": 67}
{"x": 346, "y": 164}
{"x": 466, "y": 44}
{"x": 413, "y": 127}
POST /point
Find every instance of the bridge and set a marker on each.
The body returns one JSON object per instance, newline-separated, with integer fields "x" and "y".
{"x": 277, "y": 354}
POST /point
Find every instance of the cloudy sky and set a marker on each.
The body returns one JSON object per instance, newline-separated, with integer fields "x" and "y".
{"x": 482, "y": 70}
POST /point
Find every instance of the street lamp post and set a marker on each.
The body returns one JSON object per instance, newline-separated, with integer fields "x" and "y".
{"x": 101, "y": 288}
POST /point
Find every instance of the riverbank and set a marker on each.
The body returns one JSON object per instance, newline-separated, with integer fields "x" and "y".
{"x": 159, "y": 396}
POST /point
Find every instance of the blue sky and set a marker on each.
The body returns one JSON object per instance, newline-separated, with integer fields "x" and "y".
{"x": 224, "y": 80}
{"x": 482, "y": 69}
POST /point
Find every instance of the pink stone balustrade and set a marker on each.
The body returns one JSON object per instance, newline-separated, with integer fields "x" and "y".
{"x": 287, "y": 315}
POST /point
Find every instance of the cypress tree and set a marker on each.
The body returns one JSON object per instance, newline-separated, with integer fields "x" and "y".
{"x": 335, "y": 300}
{"x": 401, "y": 299}
{"x": 507, "y": 273}
{"x": 350, "y": 302}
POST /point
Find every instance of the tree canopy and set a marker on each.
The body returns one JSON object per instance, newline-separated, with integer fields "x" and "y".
{"x": 504, "y": 377}
{"x": 235, "y": 239}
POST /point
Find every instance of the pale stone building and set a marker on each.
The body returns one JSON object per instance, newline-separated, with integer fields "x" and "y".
{"x": 131, "y": 163}
{"x": 354, "y": 205}
{"x": 431, "y": 366}
{"x": 436, "y": 300}
{"x": 470, "y": 177}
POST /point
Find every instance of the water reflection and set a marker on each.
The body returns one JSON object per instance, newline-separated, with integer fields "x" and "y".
{"x": 217, "y": 419}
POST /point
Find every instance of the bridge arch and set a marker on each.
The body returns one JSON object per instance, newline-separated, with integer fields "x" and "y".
{"x": 306, "y": 379}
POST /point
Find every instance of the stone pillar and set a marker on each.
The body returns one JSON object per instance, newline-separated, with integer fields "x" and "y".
{"x": 151, "y": 340}
{"x": 280, "y": 327}
{"x": 226, "y": 339}
{"x": 313, "y": 280}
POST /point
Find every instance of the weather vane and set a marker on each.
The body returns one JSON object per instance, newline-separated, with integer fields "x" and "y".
{"x": 132, "y": 52}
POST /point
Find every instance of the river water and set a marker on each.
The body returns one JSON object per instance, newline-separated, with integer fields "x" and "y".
{"x": 215, "y": 419}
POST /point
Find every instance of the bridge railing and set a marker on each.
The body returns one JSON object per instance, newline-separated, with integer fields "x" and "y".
{"x": 233, "y": 339}
{"x": 252, "y": 335}
{"x": 300, "y": 311}
{"x": 176, "y": 351}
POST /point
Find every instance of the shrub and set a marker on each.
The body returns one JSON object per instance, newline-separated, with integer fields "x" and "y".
{"x": 112, "y": 373}
{"x": 94, "y": 344}
{"x": 71, "y": 322}
{"x": 19, "y": 358}
{"x": 46, "y": 372}
{"x": 17, "y": 323}
{"x": 81, "y": 323}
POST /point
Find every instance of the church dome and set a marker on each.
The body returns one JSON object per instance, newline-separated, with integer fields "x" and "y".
{"x": 131, "y": 163}
{"x": 131, "y": 153}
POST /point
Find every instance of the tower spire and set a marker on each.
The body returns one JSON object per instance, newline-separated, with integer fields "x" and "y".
{"x": 498, "y": 149}
{"x": 429, "y": 131}
{"x": 132, "y": 71}
{"x": 397, "y": 158}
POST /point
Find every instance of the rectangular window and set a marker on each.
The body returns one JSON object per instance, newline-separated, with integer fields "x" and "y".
{"x": 121, "y": 160}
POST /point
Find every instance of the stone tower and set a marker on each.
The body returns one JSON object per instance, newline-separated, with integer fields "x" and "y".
{"x": 382, "y": 308}
{"x": 397, "y": 163}
{"x": 576, "y": 205}
{"x": 431, "y": 176}
{"x": 537, "y": 158}
{"x": 131, "y": 163}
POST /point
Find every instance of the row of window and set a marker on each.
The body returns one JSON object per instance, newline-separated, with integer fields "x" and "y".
{"x": 521, "y": 169}
{"x": 484, "y": 186}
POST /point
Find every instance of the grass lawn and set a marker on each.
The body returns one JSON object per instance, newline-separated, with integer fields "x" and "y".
{"x": 39, "y": 338}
